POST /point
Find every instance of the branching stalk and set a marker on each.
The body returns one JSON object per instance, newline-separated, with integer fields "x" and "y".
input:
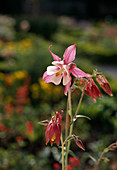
{"x": 102, "y": 154}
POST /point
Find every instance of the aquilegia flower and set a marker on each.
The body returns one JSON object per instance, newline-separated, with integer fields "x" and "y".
{"x": 63, "y": 69}
{"x": 91, "y": 88}
{"x": 53, "y": 130}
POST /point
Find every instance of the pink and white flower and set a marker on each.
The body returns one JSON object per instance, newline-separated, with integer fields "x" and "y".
{"x": 63, "y": 69}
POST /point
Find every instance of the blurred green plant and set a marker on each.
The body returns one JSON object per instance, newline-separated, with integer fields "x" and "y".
{"x": 7, "y": 31}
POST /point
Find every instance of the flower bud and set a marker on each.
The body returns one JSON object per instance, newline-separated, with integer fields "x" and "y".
{"x": 104, "y": 84}
{"x": 79, "y": 144}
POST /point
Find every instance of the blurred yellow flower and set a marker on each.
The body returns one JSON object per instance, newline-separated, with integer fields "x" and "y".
{"x": 20, "y": 74}
{"x": 44, "y": 86}
{"x": 10, "y": 46}
{"x": 26, "y": 43}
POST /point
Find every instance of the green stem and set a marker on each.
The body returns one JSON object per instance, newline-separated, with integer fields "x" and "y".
{"x": 68, "y": 146}
{"x": 67, "y": 138}
{"x": 71, "y": 127}
{"x": 79, "y": 103}
{"x": 69, "y": 109}
{"x": 67, "y": 115}
{"x": 66, "y": 125}
{"x": 62, "y": 152}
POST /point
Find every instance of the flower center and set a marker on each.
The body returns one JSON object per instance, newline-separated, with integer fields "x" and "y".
{"x": 63, "y": 68}
{"x": 58, "y": 73}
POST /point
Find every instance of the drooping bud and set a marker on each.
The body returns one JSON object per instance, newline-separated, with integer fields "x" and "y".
{"x": 104, "y": 84}
{"x": 114, "y": 147}
{"x": 79, "y": 144}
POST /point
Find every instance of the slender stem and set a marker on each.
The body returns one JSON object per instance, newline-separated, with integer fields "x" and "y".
{"x": 79, "y": 102}
{"x": 69, "y": 109}
{"x": 102, "y": 154}
{"x": 62, "y": 152}
{"x": 71, "y": 127}
{"x": 68, "y": 146}
{"x": 67, "y": 115}
{"x": 67, "y": 138}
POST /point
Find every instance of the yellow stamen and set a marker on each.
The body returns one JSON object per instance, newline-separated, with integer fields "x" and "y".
{"x": 53, "y": 138}
{"x": 58, "y": 73}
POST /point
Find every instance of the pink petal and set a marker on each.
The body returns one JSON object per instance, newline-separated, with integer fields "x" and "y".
{"x": 69, "y": 54}
{"x": 52, "y": 70}
{"x": 78, "y": 73}
{"x": 55, "y": 57}
{"x": 46, "y": 77}
{"x": 67, "y": 87}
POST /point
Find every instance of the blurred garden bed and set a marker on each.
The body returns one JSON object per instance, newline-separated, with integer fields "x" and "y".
{"x": 25, "y": 99}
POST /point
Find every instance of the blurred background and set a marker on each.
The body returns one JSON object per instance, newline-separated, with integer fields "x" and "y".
{"x": 27, "y": 29}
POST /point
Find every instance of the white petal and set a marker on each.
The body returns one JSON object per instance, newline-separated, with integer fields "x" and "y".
{"x": 56, "y": 79}
{"x": 66, "y": 78}
{"x": 58, "y": 63}
{"x": 66, "y": 68}
{"x": 52, "y": 70}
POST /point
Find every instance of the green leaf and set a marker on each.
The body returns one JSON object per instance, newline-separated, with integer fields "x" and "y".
{"x": 83, "y": 116}
{"x": 92, "y": 158}
{"x": 53, "y": 114}
{"x": 72, "y": 154}
{"x": 79, "y": 116}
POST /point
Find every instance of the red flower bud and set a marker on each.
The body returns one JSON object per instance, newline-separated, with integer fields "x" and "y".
{"x": 79, "y": 143}
{"x": 104, "y": 84}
